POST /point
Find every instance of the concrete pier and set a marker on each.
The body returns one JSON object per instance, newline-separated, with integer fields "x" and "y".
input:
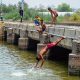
{"x": 76, "y": 47}
{"x": 74, "y": 64}
{"x": 9, "y": 35}
{"x": 74, "y": 58}
{"x": 23, "y": 43}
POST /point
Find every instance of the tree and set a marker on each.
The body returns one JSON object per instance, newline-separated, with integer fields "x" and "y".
{"x": 64, "y": 8}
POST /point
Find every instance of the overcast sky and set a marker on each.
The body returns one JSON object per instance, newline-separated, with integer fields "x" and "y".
{"x": 46, "y": 3}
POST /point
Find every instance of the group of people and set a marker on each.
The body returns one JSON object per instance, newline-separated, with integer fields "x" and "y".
{"x": 39, "y": 23}
{"x": 41, "y": 27}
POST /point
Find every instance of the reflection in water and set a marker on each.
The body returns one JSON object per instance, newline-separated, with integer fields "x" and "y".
{"x": 16, "y": 64}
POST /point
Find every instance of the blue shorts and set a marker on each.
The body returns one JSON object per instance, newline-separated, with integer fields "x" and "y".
{"x": 37, "y": 23}
{"x": 43, "y": 29}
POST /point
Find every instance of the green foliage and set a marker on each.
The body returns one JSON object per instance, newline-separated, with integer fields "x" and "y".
{"x": 12, "y": 12}
{"x": 64, "y": 8}
{"x": 60, "y": 19}
{"x": 11, "y": 15}
{"x": 75, "y": 17}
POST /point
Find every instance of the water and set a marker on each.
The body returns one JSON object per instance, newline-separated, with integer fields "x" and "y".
{"x": 16, "y": 64}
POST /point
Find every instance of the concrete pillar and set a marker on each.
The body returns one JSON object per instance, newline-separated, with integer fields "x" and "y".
{"x": 76, "y": 47}
{"x": 74, "y": 64}
{"x": 36, "y": 35}
{"x": 74, "y": 58}
{"x": 9, "y": 35}
{"x": 23, "y": 43}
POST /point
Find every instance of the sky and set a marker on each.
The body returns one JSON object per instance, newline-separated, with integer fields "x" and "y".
{"x": 46, "y": 3}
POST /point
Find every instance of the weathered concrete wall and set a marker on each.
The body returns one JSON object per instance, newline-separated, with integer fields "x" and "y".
{"x": 28, "y": 30}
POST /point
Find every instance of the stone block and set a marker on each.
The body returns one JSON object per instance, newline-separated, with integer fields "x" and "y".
{"x": 77, "y": 36}
{"x": 56, "y": 32}
{"x": 74, "y": 64}
{"x": 70, "y": 33}
{"x": 23, "y": 43}
{"x": 76, "y": 47}
{"x": 10, "y": 38}
{"x": 35, "y": 35}
{"x": 9, "y": 31}
{"x": 23, "y": 33}
{"x": 30, "y": 34}
{"x": 51, "y": 30}
{"x": 59, "y": 31}
{"x": 68, "y": 43}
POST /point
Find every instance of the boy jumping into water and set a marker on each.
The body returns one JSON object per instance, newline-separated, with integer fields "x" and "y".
{"x": 40, "y": 55}
{"x": 54, "y": 15}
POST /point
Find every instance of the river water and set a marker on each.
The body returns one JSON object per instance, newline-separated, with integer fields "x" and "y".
{"x": 17, "y": 64}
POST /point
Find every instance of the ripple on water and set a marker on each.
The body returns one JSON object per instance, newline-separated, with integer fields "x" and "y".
{"x": 37, "y": 74}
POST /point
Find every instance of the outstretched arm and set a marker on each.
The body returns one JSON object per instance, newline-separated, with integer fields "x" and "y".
{"x": 58, "y": 40}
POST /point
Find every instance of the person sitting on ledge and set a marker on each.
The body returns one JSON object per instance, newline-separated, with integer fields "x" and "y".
{"x": 39, "y": 24}
{"x": 40, "y": 55}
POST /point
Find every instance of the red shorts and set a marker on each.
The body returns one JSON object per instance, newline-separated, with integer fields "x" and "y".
{"x": 50, "y": 45}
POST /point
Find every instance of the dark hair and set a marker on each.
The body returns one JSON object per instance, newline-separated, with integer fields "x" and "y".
{"x": 37, "y": 59}
{"x": 49, "y": 8}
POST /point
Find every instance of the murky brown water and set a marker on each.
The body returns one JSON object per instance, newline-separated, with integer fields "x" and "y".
{"x": 16, "y": 64}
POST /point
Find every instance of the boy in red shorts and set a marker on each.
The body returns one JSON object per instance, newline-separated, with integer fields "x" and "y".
{"x": 40, "y": 55}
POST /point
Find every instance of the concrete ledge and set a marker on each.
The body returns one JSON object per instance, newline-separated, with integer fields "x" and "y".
{"x": 51, "y": 30}
{"x": 33, "y": 34}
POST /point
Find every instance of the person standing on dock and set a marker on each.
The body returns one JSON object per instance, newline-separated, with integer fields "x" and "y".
{"x": 21, "y": 13}
{"x": 40, "y": 55}
{"x": 54, "y": 15}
